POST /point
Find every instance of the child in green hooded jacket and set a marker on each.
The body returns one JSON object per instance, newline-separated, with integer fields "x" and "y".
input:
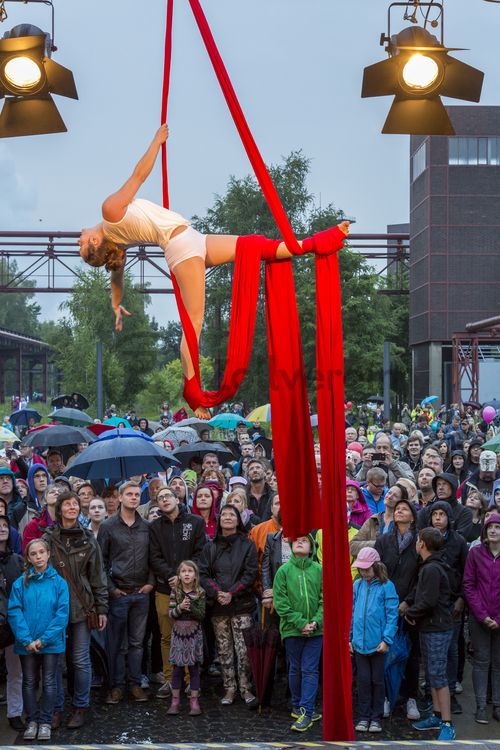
{"x": 298, "y": 600}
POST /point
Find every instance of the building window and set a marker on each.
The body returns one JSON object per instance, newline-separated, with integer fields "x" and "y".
{"x": 474, "y": 151}
{"x": 419, "y": 160}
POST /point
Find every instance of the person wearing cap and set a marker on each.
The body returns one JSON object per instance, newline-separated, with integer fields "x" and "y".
{"x": 398, "y": 553}
{"x": 473, "y": 455}
{"x": 445, "y": 488}
{"x": 373, "y": 627}
{"x": 454, "y": 554}
{"x": 430, "y": 612}
{"x": 481, "y": 586}
{"x": 484, "y": 478}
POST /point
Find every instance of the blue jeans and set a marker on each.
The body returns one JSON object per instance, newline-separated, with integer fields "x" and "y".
{"x": 128, "y": 616}
{"x": 31, "y": 665}
{"x": 78, "y": 660}
{"x": 304, "y": 653}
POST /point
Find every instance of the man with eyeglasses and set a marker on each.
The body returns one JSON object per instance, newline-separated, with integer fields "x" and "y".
{"x": 375, "y": 489}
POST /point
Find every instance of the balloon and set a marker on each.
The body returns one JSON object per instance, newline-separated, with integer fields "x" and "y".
{"x": 349, "y": 404}
{"x": 489, "y": 414}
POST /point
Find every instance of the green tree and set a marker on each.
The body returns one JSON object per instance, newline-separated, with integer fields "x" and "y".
{"x": 368, "y": 317}
{"x": 128, "y": 356}
{"x": 18, "y": 311}
{"x": 167, "y": 384}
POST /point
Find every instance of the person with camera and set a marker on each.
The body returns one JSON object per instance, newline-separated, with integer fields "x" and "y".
{"x": 383, "y": 457}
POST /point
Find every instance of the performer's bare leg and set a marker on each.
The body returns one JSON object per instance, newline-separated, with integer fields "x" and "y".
{"x": 221, "y": 248}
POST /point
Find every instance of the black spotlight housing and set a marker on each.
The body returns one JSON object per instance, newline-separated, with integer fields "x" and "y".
{"x": 417, "y": 108}
{"x": 28, "y": 77}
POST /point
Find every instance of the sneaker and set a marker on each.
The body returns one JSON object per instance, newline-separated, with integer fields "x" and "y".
{"x": 303, "y": 723}
{"x": 228, "y": 698}
{"x": 432, "y": 722}
{"x": 249, "y": 698}
{"x": 387, "y": 708}
{"x": 114, "y": 696}
{"x": 455, "y": 706}
{"x": 138, "y": 694}
{"x": 165, "y": 691}
{"x": 375, "y": 726}
{"x": 412, "y": 711}
{"x": 362, "y": 726}
{"x": 144, "y": 682}
{"x": 458, "y": 688}
{"x": 44, "y": 732}
{"x": 17, "y": 724}
{"x": 295, "y": 713}
{"x": 31, "y": 731}
{"x": 481, "y": 716}
{"x": 447, "y": 732}
{"x": 157, "y": 678}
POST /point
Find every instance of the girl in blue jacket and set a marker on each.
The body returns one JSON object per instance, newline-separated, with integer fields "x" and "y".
{"x": 38, "y": 614}
{"x": 373, "y": 627}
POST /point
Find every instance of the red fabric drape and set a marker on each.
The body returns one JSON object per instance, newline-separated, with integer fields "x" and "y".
{"x": 292, "y": 438}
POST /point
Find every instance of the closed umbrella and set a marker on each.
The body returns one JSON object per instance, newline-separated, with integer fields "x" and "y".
{"x": 262, "y": 647}
{"x": 120, "y": 456}
{"x": 228, "y": 421}
{"x": 395, "y": 664}
{"x": 55, "y": 436}
{"x": 21, "y": 417}
{"x": 197, "y": 450}
{"x": 74, "y": 417}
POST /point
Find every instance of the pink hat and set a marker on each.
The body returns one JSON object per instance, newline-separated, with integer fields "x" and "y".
{"x": 367, "y": 556}
{"x": 355, "y": 447}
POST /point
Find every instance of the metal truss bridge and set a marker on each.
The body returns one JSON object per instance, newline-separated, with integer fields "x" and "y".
{"x": 51, "y": 260}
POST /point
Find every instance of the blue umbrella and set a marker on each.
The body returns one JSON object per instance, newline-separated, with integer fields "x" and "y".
{"x": 120, "y": 454}
{"x": 20, "y": 418}
{"x": 395, "y": 663}
{"x": 228, "y": 421}
{"x": 118, "y": 421}
{"x": 429, "y": 400}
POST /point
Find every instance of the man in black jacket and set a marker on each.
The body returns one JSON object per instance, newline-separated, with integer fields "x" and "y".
{"x": 445, "y": 488}
{"x": 454, "y": 554}
{"x": 175, "y": 536}
{"x": 431, "y": 613}
{"x": 124, "y": 541}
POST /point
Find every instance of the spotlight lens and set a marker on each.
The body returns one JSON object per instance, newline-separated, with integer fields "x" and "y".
{"x": 22, "y": 72}
{"x": 420, "y": 71}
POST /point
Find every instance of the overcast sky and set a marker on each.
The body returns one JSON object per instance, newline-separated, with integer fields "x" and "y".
{"x": 296, "y": 66}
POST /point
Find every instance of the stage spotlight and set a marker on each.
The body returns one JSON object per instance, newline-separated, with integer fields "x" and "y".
{"x": 419, "y": 71}
{"x": 28, "y": 77}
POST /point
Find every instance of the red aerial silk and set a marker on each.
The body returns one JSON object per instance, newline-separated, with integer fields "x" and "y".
{"x": 292, "y": 436}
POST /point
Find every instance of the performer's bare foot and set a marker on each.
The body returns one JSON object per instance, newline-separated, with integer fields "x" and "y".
{"x": 202, "y": 413}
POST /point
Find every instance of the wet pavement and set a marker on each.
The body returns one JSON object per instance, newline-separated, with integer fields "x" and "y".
{"x": 137, "y": 724}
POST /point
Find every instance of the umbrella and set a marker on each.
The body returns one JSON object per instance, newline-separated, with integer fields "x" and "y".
{"x": 117, "y": 421}
{"x": 6, "y": 436}
{"x": 228, "y": 421}
{"x": 493, "y": 444}
{"x": 177, "y": 435}
{"x": 197, "y": 450}
{"x": 20, "y": 418}
{"x": 57, "y": 435}
{"x": 429, "y": 400}
{"x": 375, "y": 400}
{"x": 98, "y": 429}
{"x": 495, "y": 403}
{"x": 73, "y": 400}
{"x": 197, "y": 424}
{"x": 474, "y": 404}
{"x": 262, "y": 647}
{"x": 260, "y": 414}
{"x": 119, "y": 454}
{"x": 69, "y": 416}
{"x": 395, "y": 663}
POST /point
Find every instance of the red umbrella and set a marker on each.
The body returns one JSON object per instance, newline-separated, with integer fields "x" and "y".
{"x": 98, "y": 429}
{"x": 262, "y": 646}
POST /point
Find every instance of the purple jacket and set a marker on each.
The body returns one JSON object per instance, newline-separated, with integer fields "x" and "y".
{"x": 360, "y": 510}
{"x": 481, "y": 583}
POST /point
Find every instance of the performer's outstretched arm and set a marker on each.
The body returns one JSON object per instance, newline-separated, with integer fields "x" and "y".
{"x": 115, "y": 205}
{"x": 116, "y": 298}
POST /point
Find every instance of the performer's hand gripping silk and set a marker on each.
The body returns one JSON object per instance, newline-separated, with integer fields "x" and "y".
{"x": 128, "y": 220}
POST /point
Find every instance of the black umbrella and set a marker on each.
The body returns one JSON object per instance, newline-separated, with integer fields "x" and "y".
{"x": 72, "y": 400}
{"x": 54, "y": 436}
{"x": 120, "y": 454}
{"x": 473, "y": 404}
{"x": 375, "y": 400}
{"x": 197, "y": 450}
{"x": 20, "y": 417}
{"x": 67, "y": 415}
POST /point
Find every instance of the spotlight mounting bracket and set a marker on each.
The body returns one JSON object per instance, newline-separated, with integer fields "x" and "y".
{"x": 50, "y": 3}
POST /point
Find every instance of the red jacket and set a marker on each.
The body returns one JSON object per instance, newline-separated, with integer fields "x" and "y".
{"x": 36, "y": 528}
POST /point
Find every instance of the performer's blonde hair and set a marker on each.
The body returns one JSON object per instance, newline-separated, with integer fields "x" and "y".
{"x": 107, "y": 254}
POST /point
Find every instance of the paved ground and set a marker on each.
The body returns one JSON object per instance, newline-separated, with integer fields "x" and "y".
{"x": 147, "y": 723}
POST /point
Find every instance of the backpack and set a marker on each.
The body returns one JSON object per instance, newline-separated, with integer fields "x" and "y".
{"x": 6, "y": 634}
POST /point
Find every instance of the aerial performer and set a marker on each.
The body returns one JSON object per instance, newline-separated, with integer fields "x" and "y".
{"x": 127, "y": 220}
